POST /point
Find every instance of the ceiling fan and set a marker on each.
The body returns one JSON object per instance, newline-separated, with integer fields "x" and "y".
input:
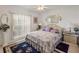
{"x": 41, "y": 8}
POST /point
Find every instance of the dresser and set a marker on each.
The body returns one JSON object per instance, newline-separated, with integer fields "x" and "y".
{"x": 71, "y": 38}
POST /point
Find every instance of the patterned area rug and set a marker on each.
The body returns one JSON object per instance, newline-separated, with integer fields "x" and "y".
{"x": 23, "y": 47}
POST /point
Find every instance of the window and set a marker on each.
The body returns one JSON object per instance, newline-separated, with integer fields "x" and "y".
{"x": 21, "y": 25}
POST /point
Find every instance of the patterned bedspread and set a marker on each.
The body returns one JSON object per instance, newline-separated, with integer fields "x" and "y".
{"x": 46, "y": 40}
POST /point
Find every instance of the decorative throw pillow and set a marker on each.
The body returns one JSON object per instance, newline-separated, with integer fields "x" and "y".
{"x": 56, "y": 30}
{"x": 50, "y": 29}
{"x": 46, "y": 29}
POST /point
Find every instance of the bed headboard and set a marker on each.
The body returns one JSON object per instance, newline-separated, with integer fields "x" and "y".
{"x": 55, "y": 26}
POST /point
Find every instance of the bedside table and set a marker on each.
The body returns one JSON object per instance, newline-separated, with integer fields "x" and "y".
{"x": 71, "y": 38}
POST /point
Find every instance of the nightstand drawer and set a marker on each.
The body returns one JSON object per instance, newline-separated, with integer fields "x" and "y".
{"x": 70, "y": 39}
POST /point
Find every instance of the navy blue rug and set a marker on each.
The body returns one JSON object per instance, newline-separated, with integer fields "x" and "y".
{"x": 24, "y": 48}
{"x": 63, "y": 47}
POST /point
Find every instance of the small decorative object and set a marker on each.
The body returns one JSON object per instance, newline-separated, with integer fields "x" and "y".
{"x": 76, "y": 29}
{"x": 4, "y": 27}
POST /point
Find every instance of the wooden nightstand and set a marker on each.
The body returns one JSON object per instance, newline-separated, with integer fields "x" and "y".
{"x": 71, "y": 38}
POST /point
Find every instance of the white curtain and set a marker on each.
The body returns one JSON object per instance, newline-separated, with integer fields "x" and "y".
{"x": 21, "y": 25}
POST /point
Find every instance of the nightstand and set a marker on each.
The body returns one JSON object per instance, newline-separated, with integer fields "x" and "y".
{"x": 71, "y": 38}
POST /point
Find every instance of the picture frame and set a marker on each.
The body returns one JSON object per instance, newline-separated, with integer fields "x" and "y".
{"x": 35, "y": 20}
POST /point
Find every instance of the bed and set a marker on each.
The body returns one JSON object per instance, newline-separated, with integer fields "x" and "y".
{"x": 43, "y": 41}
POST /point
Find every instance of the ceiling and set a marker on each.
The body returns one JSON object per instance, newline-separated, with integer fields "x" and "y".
{"x": 49, "y": 7}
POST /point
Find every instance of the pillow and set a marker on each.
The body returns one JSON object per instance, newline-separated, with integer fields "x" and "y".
{"x": 56, "y": 30}
{"x": 46, "y": 29}
{"x": 50, "y": 29}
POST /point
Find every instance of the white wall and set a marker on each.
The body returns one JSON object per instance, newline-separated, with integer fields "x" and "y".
{"x": 68, "y": 13}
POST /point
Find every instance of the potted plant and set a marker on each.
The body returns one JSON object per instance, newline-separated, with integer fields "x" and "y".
{"x": 4, "y": 27}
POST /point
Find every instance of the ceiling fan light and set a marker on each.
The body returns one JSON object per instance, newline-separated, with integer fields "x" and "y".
{"x": 41, "y": 8}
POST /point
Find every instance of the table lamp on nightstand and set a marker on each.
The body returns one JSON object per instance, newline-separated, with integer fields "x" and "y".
{"x": 39, "y": 26}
